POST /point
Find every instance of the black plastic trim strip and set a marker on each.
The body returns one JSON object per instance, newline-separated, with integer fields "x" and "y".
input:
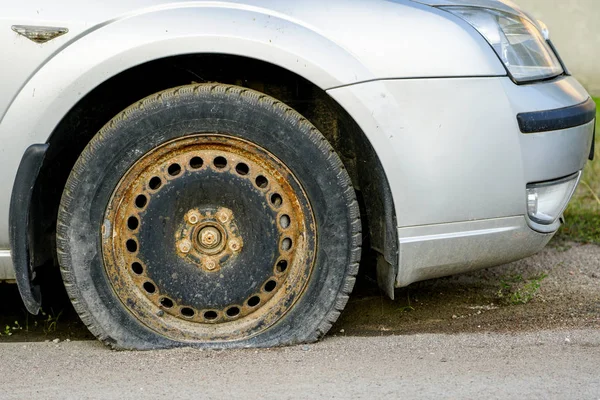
{"x": 20, "y": 202}
{"x": 593, "y": 149}
{"x": 560, "y": 118}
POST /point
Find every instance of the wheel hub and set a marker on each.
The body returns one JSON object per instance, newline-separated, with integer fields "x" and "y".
{"x": 209, "y": 237}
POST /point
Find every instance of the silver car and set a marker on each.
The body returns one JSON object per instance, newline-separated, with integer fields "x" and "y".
{"x": 208, "y": 173}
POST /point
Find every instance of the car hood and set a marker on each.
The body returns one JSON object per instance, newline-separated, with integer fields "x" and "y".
{"x": 501, "y": 5}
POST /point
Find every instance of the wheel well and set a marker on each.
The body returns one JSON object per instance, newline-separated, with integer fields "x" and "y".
{"x": 99, "y": 106}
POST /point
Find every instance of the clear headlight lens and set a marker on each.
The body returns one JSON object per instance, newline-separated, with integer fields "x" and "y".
{"x": 547, "y": 201}
{"x": 515, "y": 39}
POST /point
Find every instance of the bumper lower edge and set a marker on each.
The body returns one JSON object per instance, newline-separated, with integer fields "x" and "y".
{"x": 434, "y": 251}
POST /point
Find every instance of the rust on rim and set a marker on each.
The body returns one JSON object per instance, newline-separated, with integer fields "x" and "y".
{"x": 208, "y": 238}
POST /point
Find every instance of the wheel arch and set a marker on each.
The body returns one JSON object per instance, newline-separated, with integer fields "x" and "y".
{"x": 89, "y": 114}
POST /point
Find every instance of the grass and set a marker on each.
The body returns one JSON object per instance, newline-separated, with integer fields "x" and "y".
{"x": 515, "y": 289}
{"x": 583, "y": 214}
{"x": 47, "y": 322}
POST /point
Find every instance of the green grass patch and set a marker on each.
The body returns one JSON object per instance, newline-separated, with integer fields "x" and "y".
{"x": 514, "y": 289}
{"x": 47, "y": 322}
{"x": 583, "y": 214}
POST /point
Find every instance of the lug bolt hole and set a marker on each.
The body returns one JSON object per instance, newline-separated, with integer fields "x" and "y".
{"x": 233, "y": 311}
{"x": 131, "y": 245}
{"x": 220, "y": 162}
{"x": 137, "y": 268}
{"x": 149, "y": 287}
{"x": 286, "y": 244}
{"x": 166, "y": 302}
{"x": 141, "y": 201}
{"x": 210, "y": 315}
{"x": 174, "y": 169}
{"x": 276, "y": 200}
{"x": 284, "y": 221}
{"x": 155, "y": 183}
{"x": 187, "y": 312}
{"x": 270, "y": 286}
{"x": 242, "y": 169}
{"x": 133, "y": 223}
{"x": 281, "y": 266}
{"x": 196, "y": 162}
{"x": 253, "y": 301}
{"x": 262, "y": 182}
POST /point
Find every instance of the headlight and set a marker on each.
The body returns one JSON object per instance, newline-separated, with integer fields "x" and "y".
{"x": 515, "y": 39}
{"x": 547, "y": 201}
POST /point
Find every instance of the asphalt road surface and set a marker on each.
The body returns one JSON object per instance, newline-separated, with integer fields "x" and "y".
{"x": 557, "y": 364}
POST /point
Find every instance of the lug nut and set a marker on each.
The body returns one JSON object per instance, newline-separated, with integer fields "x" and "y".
{"x": 234, "y": 245}
{"x": 210, "y": 265}
{"x": 193, "y": 218}
{"x": 222, "y": 216}
{"x": 185, "y": 246}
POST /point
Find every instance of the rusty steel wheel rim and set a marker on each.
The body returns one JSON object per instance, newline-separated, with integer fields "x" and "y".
{"x": 208, "y": 238}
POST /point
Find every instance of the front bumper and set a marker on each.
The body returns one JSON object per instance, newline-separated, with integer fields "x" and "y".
{"x": 458, "y": 164}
